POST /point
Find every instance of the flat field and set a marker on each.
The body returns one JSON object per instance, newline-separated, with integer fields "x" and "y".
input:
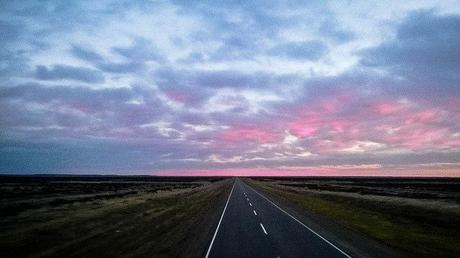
{"x": 417, "y": 217}
{"x": 95, "y": 216}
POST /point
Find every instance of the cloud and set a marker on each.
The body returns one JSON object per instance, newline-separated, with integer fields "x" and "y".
{"x": 13, "y": 60}
{"x": 80, "y": 157}
{"x": 341, "y": 123}
{"x": 86, "y": 54}
{"x": 122, "y": 67}
{"x": 66, "y": 72}
{"x": 136, "y": 55}
{"x": 140, "y": 50}
{"x": 94, "y": 110}
{"x": 108, "y": 66}
{"x": 9, "y": 31}
{"x": 332, "y": 30}
{"x": 264, "y": 84}
{"x": 424, "y": 51}
{"x": 307, "y": 50}
{"x": 247, "y": 135}
{"x": 218, "y": 90}
{"x": 216, "y": 79}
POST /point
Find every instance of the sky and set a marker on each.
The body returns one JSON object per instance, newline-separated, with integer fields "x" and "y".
{"x": 230, "y": 87}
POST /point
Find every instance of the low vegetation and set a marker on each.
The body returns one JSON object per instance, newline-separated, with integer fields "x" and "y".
{"x": 109, "y": 218}
{"x": 421, "y": 218}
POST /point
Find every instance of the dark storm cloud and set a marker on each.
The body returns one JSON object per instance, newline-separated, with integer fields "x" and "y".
{"x": 66, "y": 72}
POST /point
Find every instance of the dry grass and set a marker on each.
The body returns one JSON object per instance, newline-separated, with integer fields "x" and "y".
{"x": 407, "y": 225}
{"x": 175, "y": 222}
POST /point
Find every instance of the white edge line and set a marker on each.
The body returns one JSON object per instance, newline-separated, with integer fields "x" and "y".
{"x": 255, "y": 213}
{"x": 327, "y": 241}
{"x": 265, "y": 231}
{"x": 220, "y": 220}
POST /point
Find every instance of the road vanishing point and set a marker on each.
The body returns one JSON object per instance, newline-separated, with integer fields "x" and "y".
{"x": 253, "y": 226}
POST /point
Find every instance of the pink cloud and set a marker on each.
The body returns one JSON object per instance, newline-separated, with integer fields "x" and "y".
{"x": 322, "y": 115}
{"x": 312, "y": 123}
{"x": 303, "y": 128}
{"x": 417, "y": 138}
{"x": 177, "y": 96}
{"x": 389, "y": 107}
{"x": 319, "y": 171}
{"x": 328, "y": 146}
{"x": 246, "y": 134}
{"x": 425, "y": 117}
{"x": 332, "y": 125}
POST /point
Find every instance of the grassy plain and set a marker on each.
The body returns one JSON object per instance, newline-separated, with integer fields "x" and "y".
{"x": 418, "y": 217}
{"x": 109, "y": 216}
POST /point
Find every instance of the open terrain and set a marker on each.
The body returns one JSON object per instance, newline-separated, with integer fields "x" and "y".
{"x": 415, "y": 217}
{"x": 137, "y": 216}
{"x": 109, "y": 216}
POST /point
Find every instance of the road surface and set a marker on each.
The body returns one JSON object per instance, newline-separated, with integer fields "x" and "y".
{"x": 252, "y": 226}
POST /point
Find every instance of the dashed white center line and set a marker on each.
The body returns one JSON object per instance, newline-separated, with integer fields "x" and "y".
{"x": 262, "y": 226}
{"x": 250, "y": 204}
{"x": 305, "y": 226}
{"x": 255, "y": 213}
{"x": 247, "y": 199}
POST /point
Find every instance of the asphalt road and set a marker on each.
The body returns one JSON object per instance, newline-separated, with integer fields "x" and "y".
{"x": 252, "y": 226}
